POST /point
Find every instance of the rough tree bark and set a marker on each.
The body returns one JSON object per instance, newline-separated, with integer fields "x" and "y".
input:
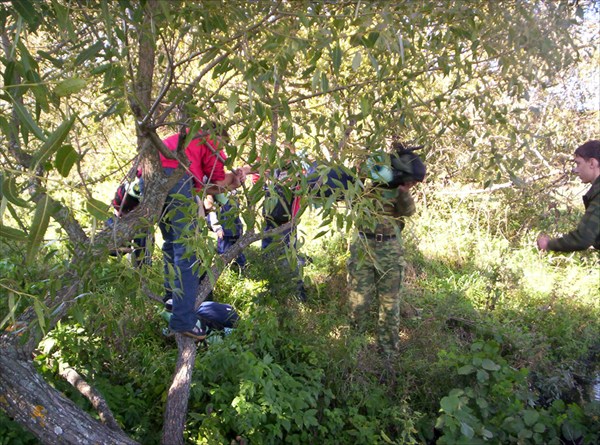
{"x": 50, "y": 416}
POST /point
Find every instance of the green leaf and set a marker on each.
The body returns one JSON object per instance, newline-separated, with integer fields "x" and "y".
{"x": 321, "y": 233}
{"x": 336, "y": 58}
{"x": 10, "y": 191}
{"x": 12, "y": 234}
{"x": 449, "y": 404}
{"x": 50, "y": 58}
{"x": 572, "y": 430}
{"x": 12, "y": 307}
{"x": 70, "y": 86}
{"x": 97, "y": 209}
{"x": 66, "y": 156}
{"x": 108, "y": 20}
{"x": 40, "y": 311}
{"x": 467, "y": 430}
{"x": 539, "y": 427}
{"x": 466, "y": 370}
{"x": 62, "y": 16}
{"x": 487, "y": 434}
{"x": 371, "y": 39}
{"x": 89, "y": 53}
{"x": 191, "y": 133}
{"x": 365, "y": 106}
{"x": 53, "y": 142}
{"x": 25, "y": 118}
{"x": 482, "y": 376}
{"x": 39, "y": 225}
{"x": 525, "y": 434}
{"x": 489, "y": 365}
{"x": 324, "y": 82}
{"x": 26, "y": 9}
{"x": 232, "y": 103}
{"x": 530, "y": 417}
{"x": 356, "y": 60}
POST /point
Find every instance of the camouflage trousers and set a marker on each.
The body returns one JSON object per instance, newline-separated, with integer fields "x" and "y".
{"x": 375, "y": 276}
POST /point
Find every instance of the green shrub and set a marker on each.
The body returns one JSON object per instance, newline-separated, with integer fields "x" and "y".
{"x": 495, "y": 405}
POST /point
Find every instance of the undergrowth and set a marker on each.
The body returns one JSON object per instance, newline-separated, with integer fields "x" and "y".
{"x": 498, "y": 343}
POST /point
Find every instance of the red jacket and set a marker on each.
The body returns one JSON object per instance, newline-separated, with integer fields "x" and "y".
{"x": 204, "y": 161}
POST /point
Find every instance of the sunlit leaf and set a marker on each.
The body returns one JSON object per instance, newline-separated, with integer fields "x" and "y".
{"x": 356, "y": 61}
{"x": 336, "y": 58}
{"x": 97, "y": 209}
{"x": 70, "y": 86}
{"x": 12, "y": 234}
{"x": 232, "y": 104}
{"x": 40, "y": 311}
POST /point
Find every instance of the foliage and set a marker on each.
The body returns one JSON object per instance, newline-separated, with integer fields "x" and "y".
{"x": 496, "y": 405}
{"x": 13, "y": 433}
{"x": 86, "y": 85}
{"x": 295, "y": 372}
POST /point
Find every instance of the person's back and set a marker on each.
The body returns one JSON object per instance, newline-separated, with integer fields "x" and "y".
{"x": 203, "y": 153}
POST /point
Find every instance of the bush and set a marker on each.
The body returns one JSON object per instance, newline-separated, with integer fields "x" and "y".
{"x": 496, "y": 406}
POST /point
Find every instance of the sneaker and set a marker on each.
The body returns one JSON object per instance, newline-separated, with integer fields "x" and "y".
{"x": 169, "y": 305}
{"x": 196, "y": 333}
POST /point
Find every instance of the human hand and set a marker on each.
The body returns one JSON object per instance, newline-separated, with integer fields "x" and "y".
{"x": 407, "y": 186}
{"x": 233, "y": 180}
{"x": 220, "y": 233}
{"x": 542, "y": 242}
{"x": 240, "y": 173}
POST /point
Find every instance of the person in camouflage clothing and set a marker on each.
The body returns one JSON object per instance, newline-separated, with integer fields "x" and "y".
{"x": 376, "y": 264}
{"x": 587, "y": 232}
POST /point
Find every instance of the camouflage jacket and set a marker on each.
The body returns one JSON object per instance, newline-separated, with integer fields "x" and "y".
{"x": 587, "y": 232}
{"x": 395, "y": 205}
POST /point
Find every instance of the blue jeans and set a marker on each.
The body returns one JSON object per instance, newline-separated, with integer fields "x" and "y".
{"x": 281, "y": 237}
{"x": 173, "y": 225}
{"x": 226, "y": 243}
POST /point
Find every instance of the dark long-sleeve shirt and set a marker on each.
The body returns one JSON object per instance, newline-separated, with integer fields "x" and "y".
{"x": 587, "y": 232}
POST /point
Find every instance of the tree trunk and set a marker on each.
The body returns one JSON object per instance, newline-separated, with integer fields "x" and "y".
{"x": 179, "y": 392}
{"x": 44, "y": 411}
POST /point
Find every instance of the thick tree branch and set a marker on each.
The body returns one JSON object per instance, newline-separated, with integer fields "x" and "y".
{"x": 179, "y": 392}
{"x": 43, "y": 410}
{"x": 97, "y": 401}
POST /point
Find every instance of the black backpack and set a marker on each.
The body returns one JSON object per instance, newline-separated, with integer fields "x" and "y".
{"x": 127, "y": 196}
{"x": 281, "y": 212}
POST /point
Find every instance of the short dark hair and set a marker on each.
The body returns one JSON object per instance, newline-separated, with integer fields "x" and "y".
{"x": 591, "y": 149}
{"x": 215, "y": 128}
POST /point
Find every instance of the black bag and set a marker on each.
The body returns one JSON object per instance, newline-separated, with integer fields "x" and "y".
{"x": 127, "y": 197}
{"x": 281, "y": 212}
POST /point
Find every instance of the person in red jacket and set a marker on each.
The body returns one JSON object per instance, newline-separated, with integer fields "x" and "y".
{"x": 206, "y": 173}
